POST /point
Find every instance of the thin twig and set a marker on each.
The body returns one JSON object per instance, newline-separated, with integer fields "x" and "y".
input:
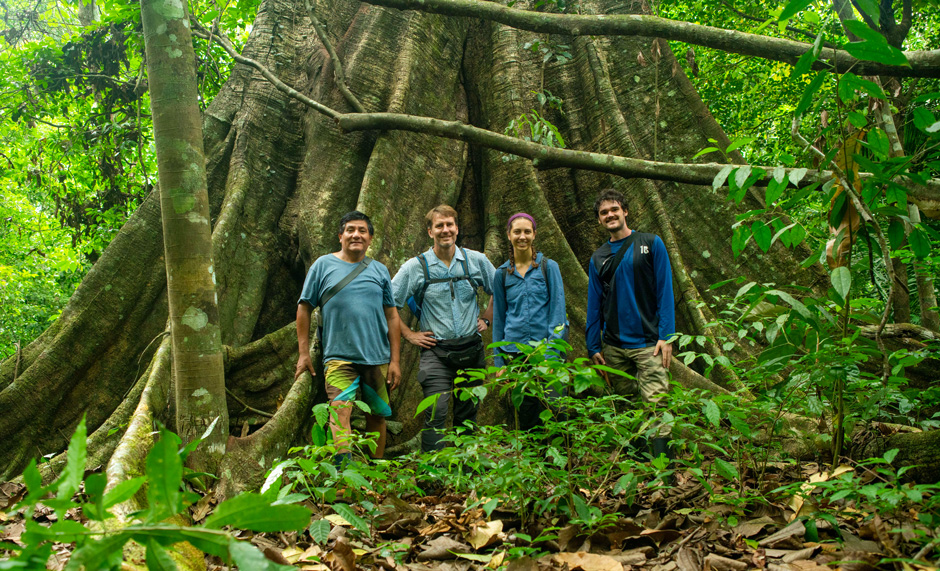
{"x": 338, "y": 75}
{"x": 223, "y": 42}
{"x": 247, "y": 406}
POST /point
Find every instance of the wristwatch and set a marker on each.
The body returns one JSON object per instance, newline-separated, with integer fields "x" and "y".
{"x": 485, "y": 320}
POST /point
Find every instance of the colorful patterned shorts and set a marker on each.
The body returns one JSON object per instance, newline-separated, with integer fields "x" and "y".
{"x": 344, "y": 378}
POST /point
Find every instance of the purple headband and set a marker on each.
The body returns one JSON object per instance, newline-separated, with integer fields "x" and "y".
{"x": 520, "y": 215}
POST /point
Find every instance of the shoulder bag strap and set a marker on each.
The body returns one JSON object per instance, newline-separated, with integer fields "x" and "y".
{"x": 330, "y": 293}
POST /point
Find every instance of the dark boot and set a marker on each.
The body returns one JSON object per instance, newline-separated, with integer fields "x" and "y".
{"x": 661, "y": 447}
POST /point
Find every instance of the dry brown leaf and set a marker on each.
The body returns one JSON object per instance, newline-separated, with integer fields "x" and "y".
{"x": 808, "y": 566}
{"x": 342, "y": 557}
{"x": 497, "y": 560}
{"x": 719, "y": 563}
{"x": 523, "y": 564}
{"x": 661, "y": 536}
{"x": 337, "y": 519}
{"x": 752, "y": 527}
{"x": 588, "y": 561}
{"x": 482, "y": 535}
{"x": 442, "y": 548}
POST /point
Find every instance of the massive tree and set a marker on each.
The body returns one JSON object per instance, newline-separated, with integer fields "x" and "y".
{"x": 280, "y": 174}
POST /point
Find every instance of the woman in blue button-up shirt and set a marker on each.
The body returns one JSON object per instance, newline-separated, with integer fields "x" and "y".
{"x": 528, "y": 303}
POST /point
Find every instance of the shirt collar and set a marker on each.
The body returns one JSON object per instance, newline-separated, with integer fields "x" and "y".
{"x": 433, "y": 259}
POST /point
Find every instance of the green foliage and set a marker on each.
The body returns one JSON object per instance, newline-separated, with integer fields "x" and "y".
{"x": 76, "y": 153}
{"x": 101, "y": 547}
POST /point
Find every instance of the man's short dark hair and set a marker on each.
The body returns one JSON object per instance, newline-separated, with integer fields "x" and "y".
{"x": 609, "y": 195}
{"x": 355, "y": 215}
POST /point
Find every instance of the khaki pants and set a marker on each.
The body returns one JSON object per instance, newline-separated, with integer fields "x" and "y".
{"x": 652, "y": 379}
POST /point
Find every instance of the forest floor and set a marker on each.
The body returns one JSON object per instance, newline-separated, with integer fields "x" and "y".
{"x": 691, "y": 525}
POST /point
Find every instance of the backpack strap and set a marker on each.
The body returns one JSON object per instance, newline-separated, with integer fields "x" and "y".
{"x": 330, "y": 293}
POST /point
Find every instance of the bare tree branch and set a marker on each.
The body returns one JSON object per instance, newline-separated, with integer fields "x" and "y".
{"x": 922, "y": 63}
{"x": 545, "y": 158}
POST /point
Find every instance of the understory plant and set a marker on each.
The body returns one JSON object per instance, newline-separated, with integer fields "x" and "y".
{"x": 100, "y": 537}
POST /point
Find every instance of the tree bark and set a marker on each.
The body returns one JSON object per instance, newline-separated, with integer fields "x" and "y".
{"x": 198, "y": 373}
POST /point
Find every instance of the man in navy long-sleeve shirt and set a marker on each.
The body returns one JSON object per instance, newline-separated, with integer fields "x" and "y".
{"x": 631, "y": 309}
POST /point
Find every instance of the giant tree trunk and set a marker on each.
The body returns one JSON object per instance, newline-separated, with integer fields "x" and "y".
{"x": 280, "y": 176}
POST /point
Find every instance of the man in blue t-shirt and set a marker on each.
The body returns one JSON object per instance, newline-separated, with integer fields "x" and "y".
{"x": 361, "y": 331}
{"x": 631, "y": 310}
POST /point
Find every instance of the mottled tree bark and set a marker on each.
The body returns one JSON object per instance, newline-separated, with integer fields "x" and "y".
{"x": 198, "y": 374}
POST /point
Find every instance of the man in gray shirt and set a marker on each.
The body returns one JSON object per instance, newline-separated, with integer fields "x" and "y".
{"x": 441, "y": 286}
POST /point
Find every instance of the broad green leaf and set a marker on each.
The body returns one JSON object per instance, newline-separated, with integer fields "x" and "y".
{"x": 104, "y": 553}
{"x": 158, "y": 559}
{"x": 920, "y": 243}
{"x": 762, "y": 235}
{"x": 792, "y": 302}
{"x": 780, "y": 173}
{"x": 878, "y": 142}
{"x": 738, "y": 143}
{"x": 426, "y": 403}
{"x": 783, "y": 235}
{"x": 923, "y": 118}
{"x": 246, "y": 556}
{"x": 65, "y": 531}
{"x": 896, "y": 233}
{"x": 741, "y": 175}
{"x": 744, "y": 289}
{"x": 807, "y": 98}
{"x": 775, "y": 189}
{"x": 796, "y": 175}
{"x": 322, "y": 413}
{"x": 32, "y": 478}
{"x": 874, "y": 46}
{"x": 792, "y": 8}
{"x": 255, "y": 512}
{"x": 854, "y": 82}
{"x": 349, "y": 515}
{"x": 739, "y": 239}
{"x": 721, "y": 177}
{"x": 870, "y": 7}
{"x": 857, "y": 120}
{"x": 71, "y": 478}
{"x": 123, "y": 491}
{"x": 890, "y": 455}
{"x": 489, "y": 506}
{"x": 582, "y": 509}
{"x": 320, "y": 531}
{"x": 209, "y": 541}
{"x": 704, "y": 151}
{"x": 841, "y": 279}
{"x": 275, "y": 474}
{"x": 726, "y": 469}
{"x": 363, "y": 406}
{"x": 356, "y": 479}
{"x": 711, "y": 411}
{"x": 165, "y": 476}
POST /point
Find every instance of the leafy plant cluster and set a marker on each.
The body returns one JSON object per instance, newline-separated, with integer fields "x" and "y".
{"x": 100, "y": 539}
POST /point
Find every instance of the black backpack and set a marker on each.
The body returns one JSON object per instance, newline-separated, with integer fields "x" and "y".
{"x": 415, "y": 301}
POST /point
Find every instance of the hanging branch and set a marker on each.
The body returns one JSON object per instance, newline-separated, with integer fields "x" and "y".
{"x": 922, "y": 63}
{"x": 546, "y": 158}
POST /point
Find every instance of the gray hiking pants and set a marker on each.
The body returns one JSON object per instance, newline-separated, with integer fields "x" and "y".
{"x": 436, "y": 377}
